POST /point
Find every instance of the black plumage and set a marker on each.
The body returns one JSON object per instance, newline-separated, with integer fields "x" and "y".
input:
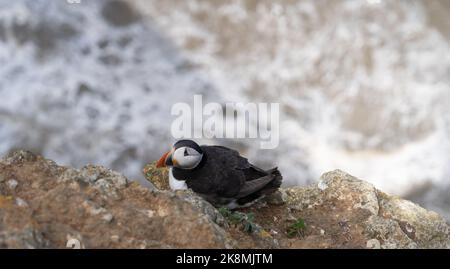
{"x": 224, "y": 178}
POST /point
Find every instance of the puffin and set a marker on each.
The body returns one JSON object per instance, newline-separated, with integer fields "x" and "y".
{"x": 218, "y": 174}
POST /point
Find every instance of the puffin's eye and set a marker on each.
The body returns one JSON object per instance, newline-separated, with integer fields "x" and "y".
{"x": 185, "y": 152}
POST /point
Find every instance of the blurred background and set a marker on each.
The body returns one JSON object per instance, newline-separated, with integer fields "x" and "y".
{"x": 363, "y": 85}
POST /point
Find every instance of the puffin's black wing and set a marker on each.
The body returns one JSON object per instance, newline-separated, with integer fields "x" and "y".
{"x": 224, "y": 170}
{"x": 253, "y": 181}
{"x": 257, "y": 188}
{"x": 254, "y": 185}
{"x": 241, "y": 163}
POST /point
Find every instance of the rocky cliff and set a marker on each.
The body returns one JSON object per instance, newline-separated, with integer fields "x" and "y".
{"x": 43, "y": 205}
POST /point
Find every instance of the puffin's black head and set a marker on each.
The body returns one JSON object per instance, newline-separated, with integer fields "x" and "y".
{"x": 185, "y": 154}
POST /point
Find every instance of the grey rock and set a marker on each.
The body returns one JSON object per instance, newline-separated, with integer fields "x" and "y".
{"x": 19, "y": 156}
{"x": 12, "y": 184}
{"x": 370, "y": 214}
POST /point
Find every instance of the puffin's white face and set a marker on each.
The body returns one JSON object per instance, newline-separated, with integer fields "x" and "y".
{"x": 186, "y": 158}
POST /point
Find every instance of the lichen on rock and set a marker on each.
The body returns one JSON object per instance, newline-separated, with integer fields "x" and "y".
{"x": 159, "y": 177}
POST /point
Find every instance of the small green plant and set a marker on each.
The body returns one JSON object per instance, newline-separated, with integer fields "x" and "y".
{"x": 225, "y": 211}
{"x": 249, "y": 225}
{"x": 297, "y": 228}
{"x": 238, "y": 218}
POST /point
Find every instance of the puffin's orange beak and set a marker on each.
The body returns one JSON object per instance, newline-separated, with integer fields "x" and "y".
{"x": 162, "y": 161}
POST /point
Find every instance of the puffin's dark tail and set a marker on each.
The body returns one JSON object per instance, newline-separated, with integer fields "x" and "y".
{"x": 271, "y": 187}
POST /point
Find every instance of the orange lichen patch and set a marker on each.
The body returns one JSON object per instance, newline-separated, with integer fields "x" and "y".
{"x": 6, "y": 201}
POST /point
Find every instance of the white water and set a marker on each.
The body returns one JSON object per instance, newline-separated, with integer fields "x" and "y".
{"x": 364, "y": 86}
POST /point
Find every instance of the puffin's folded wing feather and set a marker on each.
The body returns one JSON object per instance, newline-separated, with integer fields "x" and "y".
{"x": 254, "y": 185}
{"x": 231, "y": 156}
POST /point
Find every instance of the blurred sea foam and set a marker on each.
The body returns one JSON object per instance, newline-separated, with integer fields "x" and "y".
{"x": 364, "y": 86}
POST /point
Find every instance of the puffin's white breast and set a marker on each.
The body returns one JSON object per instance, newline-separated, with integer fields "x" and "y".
{"x": 176, "y": 184}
